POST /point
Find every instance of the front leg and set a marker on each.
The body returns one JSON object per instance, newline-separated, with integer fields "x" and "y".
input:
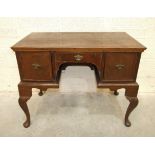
{"x": 131, "y": 95}
{"x": 133, "y": 103}
{"x": 22, "y": 102}
{"x": 24, "y": 95}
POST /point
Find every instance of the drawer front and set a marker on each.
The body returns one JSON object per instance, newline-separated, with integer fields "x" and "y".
{"x": 121, "y": 66}
{"x": 78, "y": 57}
{"x": 35, "y": 66}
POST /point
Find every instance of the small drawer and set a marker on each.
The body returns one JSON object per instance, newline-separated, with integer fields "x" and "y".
{"x": 78, "y": 57}
{"x": 35, "y": 66}
{"x": 120, "y": 66}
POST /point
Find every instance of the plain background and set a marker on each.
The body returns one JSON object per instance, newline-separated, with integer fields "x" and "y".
{"x": 77, "y": 8}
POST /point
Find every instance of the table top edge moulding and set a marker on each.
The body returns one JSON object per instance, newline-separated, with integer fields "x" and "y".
{"x": 79, "y": 41}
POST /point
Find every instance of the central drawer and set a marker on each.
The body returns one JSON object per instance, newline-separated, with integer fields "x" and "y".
{"x": 78, "y": 57}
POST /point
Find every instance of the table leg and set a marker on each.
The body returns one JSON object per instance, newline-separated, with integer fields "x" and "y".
{"x": 131, "y": 95}
{"x": 133, "y": 103}
{"x": 116, "y": 92}
{"x": 24, "y": 95}
{"x": 40, "y": 93}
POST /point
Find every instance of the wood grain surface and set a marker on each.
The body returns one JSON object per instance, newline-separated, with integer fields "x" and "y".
{"x": 79, "y": 41}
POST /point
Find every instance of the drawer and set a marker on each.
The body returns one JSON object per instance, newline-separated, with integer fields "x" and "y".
{"x": 78, "y": 57}
{"x": 35, "y": 66}
{"x": 121, "y": 66}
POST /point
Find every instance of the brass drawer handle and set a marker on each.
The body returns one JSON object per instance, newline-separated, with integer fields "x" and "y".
{"x": 36, "y": 66}
{"x": 119, "y": 66}
{"x": 78, "y": 57}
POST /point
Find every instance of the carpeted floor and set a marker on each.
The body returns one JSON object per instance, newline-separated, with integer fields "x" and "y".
{"x": 77, "y": 109}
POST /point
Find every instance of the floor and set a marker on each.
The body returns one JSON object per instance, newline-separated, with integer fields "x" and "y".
{"x": 77, "y": 108}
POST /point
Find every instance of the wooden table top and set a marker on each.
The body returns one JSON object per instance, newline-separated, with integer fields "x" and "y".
{"x": 84, "y": 41}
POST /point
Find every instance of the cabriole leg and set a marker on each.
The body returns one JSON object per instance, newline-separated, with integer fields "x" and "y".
{"x": 40, "y": 93}
{"x": 116, "y": 92}
{"x": 133, "y": 103}
{"x": 24, "y": 95}
{"x": 23, "y": 105}
{"x": 131, "y": 95}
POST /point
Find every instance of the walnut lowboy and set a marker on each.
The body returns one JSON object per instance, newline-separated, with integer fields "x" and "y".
{"x": 114, "y": 56}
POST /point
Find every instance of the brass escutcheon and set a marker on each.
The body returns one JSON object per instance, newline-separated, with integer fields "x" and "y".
{"x": 119, "y": 66}
{"x": 78, "y": 57}
{"x": 36, "y": 66}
